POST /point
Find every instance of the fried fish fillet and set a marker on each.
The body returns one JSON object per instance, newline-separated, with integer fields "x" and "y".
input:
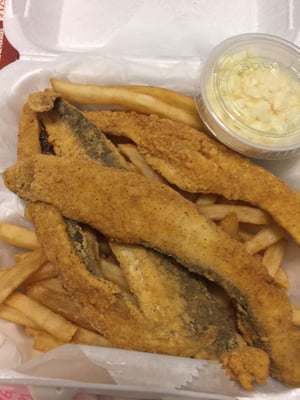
{"x": 197, "y": 163}
{"x": 73, "y": 136}
{"x": 165, "y": 293}
{"x": 126, "y": 207}
{"x": 75, "y": 248}
{"x": 109, "y": 309}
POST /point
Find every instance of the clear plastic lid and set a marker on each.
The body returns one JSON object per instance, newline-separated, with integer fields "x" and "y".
{"x": 173, "y": 28}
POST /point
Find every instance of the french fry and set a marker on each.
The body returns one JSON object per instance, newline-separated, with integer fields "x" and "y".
{"x": 84, "y": 336}
{"x": 273, "y": 256}
{"x": 12, "y": 278}
{"x": 113, "y": 273}
{"x": 296, "y": 315}
{"x": 244, "y": 236}
{"x": 264, "y": 238}
{"x": 53, "y": 284}
{"x": 52, "y": 295}
{"x": 281, "y": 278}
{"x": 133, "y": 155}
{"x": 12, "y": 315}
{"x": 43, "y": 341}
{"x": 31, "y": 330}
{"x": 18, "y": 236}
{"x": 245, "y": 214}
{"x": 46, "y": 271}
{"x": 206, "y": 198}
{"x": 42, "y": 316}
{"x": 124, "y": 97}
{"x": 166, "y": 95}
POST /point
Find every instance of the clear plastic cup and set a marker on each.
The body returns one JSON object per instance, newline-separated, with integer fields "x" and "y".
{"x": 248, "y": 95}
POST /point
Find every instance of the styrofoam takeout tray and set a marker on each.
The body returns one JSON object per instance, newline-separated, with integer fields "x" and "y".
{"x": 161, "y": 42}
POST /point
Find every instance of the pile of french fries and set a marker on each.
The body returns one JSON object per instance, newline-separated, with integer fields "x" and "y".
{"x": 31, "y": 293}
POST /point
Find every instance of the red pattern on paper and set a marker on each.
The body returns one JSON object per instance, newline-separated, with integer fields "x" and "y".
{"x": 5, "y": 394}
{"x": 7, "y": 53}
{"x": 18, "y": 392}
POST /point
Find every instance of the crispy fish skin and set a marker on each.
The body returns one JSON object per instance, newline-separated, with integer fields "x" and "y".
{"x": 158, "y": 217}
{"x": 171, "y": 296}
{"x": 74, "y": 136}
{"x": 110, "y": 310}
{"x": 197, "y": 163}
{"x": 159, "y": 297}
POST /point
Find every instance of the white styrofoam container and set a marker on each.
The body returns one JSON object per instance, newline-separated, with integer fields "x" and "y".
{"x": 160, "y": 42}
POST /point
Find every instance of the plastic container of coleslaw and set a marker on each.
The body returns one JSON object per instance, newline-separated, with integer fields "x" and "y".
{"x": 123, "y": 42}
{"x": 249, "y": 95}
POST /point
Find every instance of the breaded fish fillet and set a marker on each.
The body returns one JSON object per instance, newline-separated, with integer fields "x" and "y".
{"x": 74, "y": 247}
{"x": 197, "y": 163}
{"x": 166, "y": 294}
{"x": 129, "y": 208}
{"x": 111, "y": 311}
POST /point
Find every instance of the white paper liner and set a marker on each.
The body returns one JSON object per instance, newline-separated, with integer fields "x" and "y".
{"x": 149, "y": 375}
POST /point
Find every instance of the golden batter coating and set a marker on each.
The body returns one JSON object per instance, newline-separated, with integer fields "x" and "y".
{"x": 127, "y": 207}
{"x": 197, "y": 163}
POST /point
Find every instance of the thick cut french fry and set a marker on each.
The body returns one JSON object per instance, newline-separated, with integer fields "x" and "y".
{"x": 244, "y": 236}
{"x": 281, "y": 278}
{"x": 84, "y": 336}
{"x": 11, "y": 314}
{"x": 113, "y": 273}
{"x": 133, "y": 155}
{"x": 264, "y": 238}
{"x": 46, "y": 271}
{"x": 12, "y": 278}
{"x": 273, "y": 256}
{"x": 43, "y": 341}
{"x": 42, "y": 316}
{"x": 18, "y": 236}
{"x": 245, "y": 214}
{"x": 206, "y": 198}
{"x": 124, "y": 97}
{"x": 166, "y": 95}
{"x": 31, "y": 330}
{"x": 52, "y": 295}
